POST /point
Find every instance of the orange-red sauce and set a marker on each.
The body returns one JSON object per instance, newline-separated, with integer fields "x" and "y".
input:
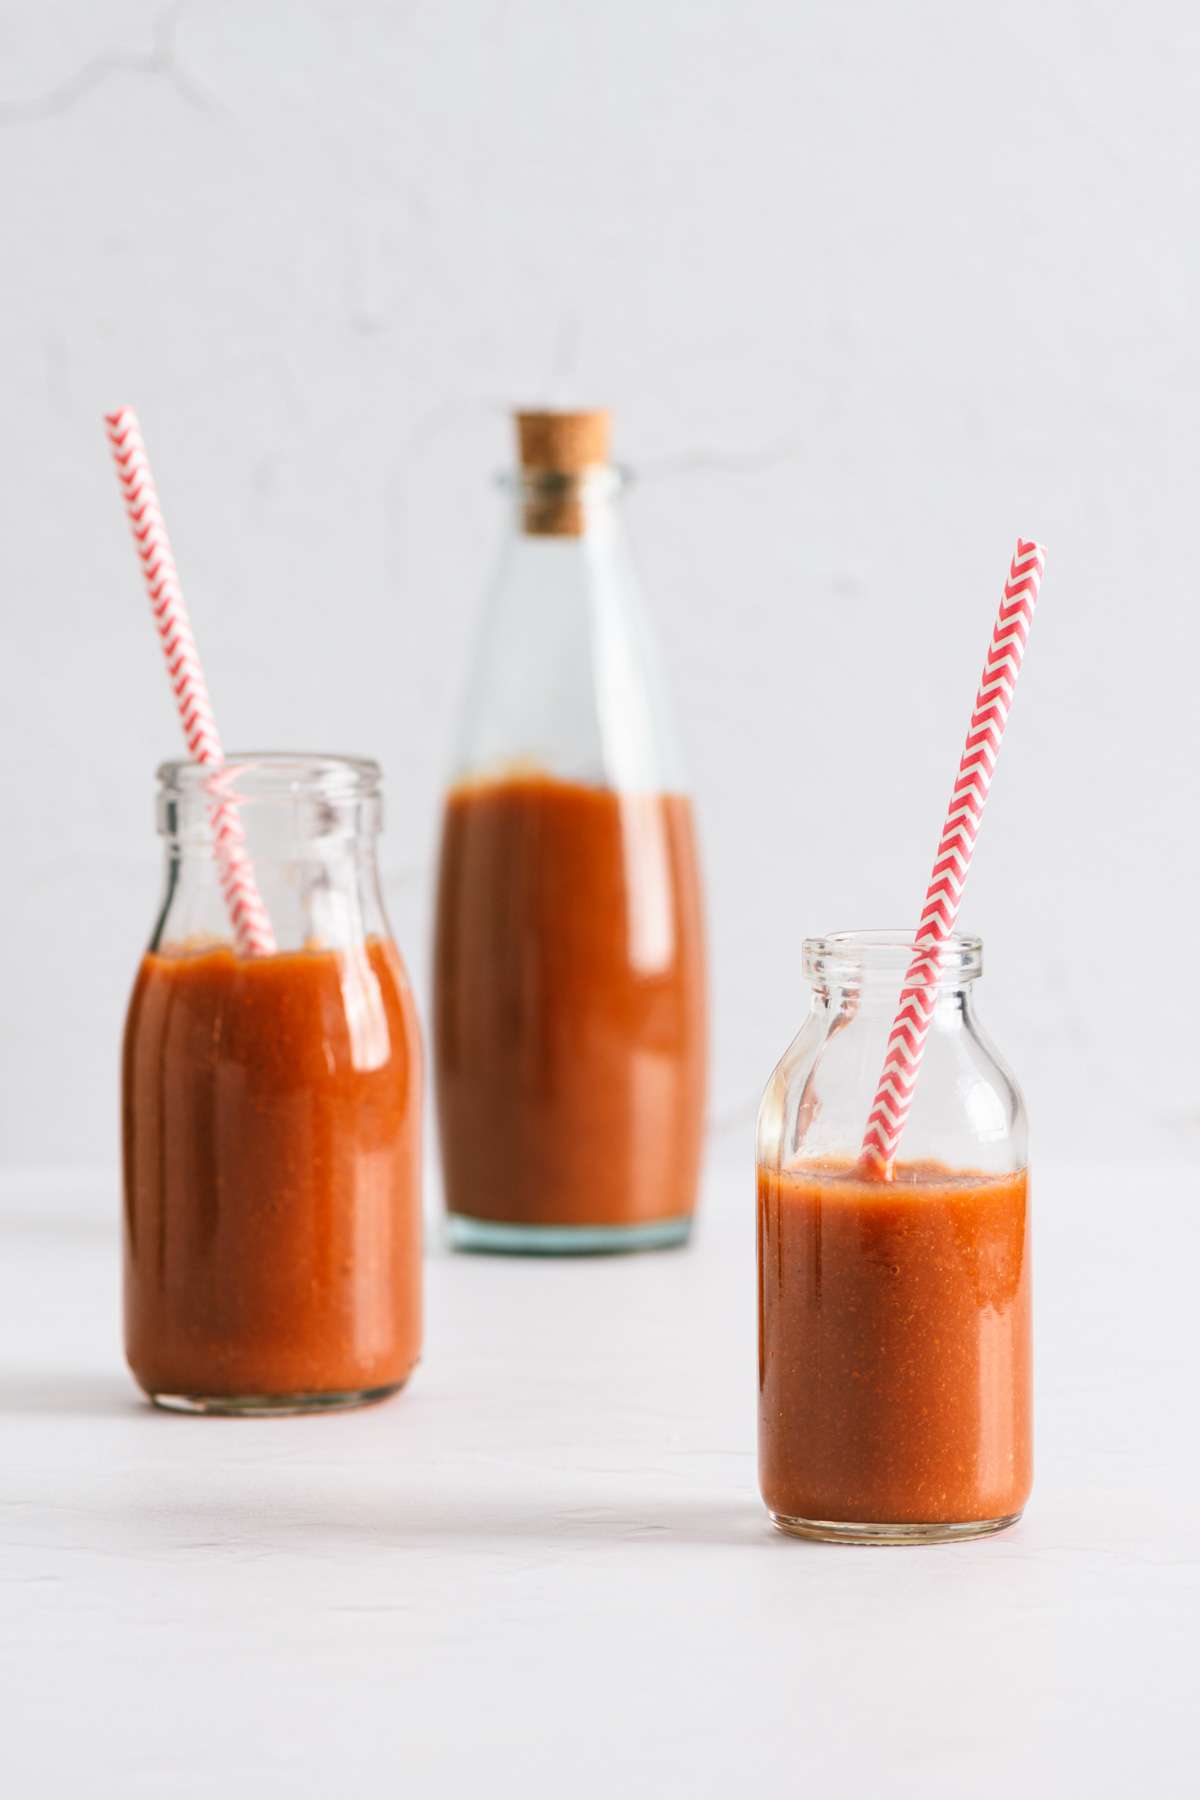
{"x": 895, "y": 1358}
{"x": 272, "y": 1173}
{"x": 569, "y": 1015}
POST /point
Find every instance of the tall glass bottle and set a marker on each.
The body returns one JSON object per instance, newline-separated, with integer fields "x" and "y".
{"x": 569, "y": 982}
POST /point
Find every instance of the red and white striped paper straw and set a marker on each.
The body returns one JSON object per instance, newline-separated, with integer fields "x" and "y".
{"x": 248, "y": 915}
{"x": 906, "y": 1044}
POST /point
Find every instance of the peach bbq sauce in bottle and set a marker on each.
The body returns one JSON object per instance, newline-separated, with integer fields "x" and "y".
{"x": 569, "y": 975}
{"x": 272, "y": 1110}
{"x": 895, "y": 1364}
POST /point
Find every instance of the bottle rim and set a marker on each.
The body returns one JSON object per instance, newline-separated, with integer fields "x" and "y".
{"x": 248, "y": 776}
{"x": 855, "y": 958}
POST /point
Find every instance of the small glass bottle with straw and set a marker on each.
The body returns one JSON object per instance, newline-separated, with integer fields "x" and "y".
{"x": 895, "y": 1364}
{"x": 271, "y": 1068}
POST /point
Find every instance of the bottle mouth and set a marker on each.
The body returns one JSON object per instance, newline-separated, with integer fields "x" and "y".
{"x": 270, "y": 775}
{"x": 854, "y": 958}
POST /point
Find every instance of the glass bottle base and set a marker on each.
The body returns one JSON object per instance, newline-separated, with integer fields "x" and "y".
{"x": 274, "y": 1406}
{"x": 564, "y": 1240}
{"x": 834, "y": 1531}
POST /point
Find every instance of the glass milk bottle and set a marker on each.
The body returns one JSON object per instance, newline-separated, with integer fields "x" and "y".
{"x": 272, "y": 1107}
{"x": 895, "y": 1362}
{"x": 569, "y": 977}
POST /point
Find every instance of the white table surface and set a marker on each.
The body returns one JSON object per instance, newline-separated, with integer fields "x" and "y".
{"x": 544, "y": 1568}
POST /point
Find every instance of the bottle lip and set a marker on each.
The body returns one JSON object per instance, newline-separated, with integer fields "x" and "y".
{"x": 853, "y": 958}
{"x": 247, "y": 776}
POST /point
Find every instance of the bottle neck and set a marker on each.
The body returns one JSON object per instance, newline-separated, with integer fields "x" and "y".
{"x": 550, "y": 505}
{"x": 566, "y": 676}
{"x": 866, "y": 972}
{"x": 876, "y": 1004}
{"x": 305, "y": 828}
{"x": 966, "y": 1109}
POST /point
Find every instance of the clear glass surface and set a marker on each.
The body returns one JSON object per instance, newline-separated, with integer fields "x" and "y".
{"x": 566, "y": 678}
{"x": 310, "y": 824}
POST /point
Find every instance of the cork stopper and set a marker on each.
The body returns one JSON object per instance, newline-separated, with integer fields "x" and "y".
{"x": 563, "y": 443}
{"x": 556, "y": 449}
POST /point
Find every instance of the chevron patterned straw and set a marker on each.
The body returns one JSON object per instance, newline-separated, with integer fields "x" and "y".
{"x": 906, "y": 1044}
{"x": 247, "y": 913}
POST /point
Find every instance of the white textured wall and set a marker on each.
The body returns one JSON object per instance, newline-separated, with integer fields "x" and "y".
{"x": 871, "y": 289}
